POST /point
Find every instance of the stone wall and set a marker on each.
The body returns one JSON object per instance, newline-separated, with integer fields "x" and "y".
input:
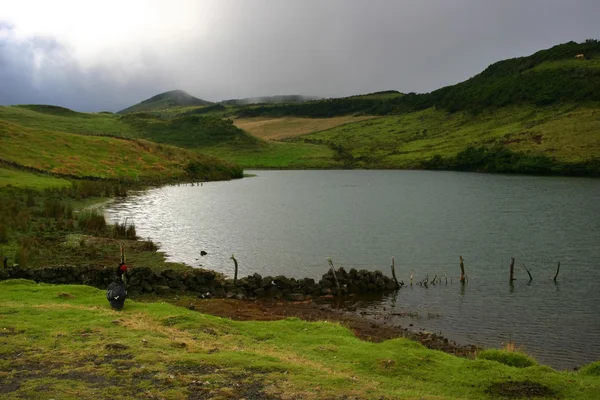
{"x": 207, "y": 283}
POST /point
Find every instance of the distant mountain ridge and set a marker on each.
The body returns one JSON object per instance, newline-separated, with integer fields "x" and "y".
{"x": 289, "y": 98}
{"x": 550, "y": 76}
{"x": 166, "y": 100}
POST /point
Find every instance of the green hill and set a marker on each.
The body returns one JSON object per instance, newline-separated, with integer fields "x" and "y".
{"x": 547, "y": 77}
{"x": 535, "y": 114}
{"x": 201, "y": 129}
{"x": 163, "y": 101}
{"x": 64, "y": 143}
{"x": 563, "y": 134}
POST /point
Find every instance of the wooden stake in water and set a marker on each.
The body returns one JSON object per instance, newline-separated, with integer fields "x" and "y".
{"x": 337, "y": 284}
{"x": 557, "y": 270}
{"x": 463, "y": 275}
{"x": 394, "y": 273}
{"x": 512, "y": 270}
{"x": 528, "y": 273}
{"x": 235, "y": 263}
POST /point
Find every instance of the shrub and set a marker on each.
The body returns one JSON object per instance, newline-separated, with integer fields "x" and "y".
{"x": 510, "y": 358}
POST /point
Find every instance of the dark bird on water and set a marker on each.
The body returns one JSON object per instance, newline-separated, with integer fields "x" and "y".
{"x": 203, "y": 253}
{"x": 117, "y": 290}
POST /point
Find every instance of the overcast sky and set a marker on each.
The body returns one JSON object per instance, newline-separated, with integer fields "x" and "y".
{"x": 107, "y": 55}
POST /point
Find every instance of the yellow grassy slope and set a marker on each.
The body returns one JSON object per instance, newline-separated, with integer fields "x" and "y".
{"x": 286, "y": 127}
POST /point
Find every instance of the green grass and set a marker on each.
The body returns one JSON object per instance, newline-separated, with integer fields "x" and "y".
{"x": 384, "y": 95}
{"x": 276, "y": 155}
{"x": 23, "y": 179}
{"x": 569, "y": 63}
{"x": 64, "y": 120}
{"x": 105, "y": 157}
{"x": 510, "y": 358}
{"x": 566, "y": 132}
{"x": 66, "y": 340}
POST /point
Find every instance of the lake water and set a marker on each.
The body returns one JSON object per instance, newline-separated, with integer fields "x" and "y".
{"x": 289, "y": 222}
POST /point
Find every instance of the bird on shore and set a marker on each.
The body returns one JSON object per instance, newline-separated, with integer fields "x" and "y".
{"x": 117, "y": 290}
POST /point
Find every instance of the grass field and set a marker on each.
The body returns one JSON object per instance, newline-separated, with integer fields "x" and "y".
{"x": 104, "y": 157}
{"x": 567, "y": 132}
{"x": 65, "y": 342}
{"x": 22, "y": 179}
{"x": 63, "y": 120}
{"x": 276, "y": 155}
{"x": 282, "y": 128}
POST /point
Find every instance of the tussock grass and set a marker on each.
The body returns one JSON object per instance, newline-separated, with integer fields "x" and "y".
{"x": 91, "y": 221}
{"x": 156, "y": 350}
{"x": 592, "y": 369}
{"x": 511, "y": 357}
{"x": 55, "y": 227}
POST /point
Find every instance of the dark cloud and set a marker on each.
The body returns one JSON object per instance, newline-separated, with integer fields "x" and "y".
{"x": 311, "y": 47}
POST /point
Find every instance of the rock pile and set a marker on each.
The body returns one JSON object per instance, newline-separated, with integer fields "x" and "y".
{"x": 208, "y": 283}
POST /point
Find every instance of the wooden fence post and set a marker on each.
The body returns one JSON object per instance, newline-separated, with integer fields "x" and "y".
{"x": 512, "y": 270}
{"x": 394, "y": 274}
{"x": 337, "y": 284}
{"x": 528, "y": 273}
{"x": 235, "y": 263}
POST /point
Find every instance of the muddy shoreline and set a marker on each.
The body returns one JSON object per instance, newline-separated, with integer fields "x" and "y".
{"x": 363, "y": 326}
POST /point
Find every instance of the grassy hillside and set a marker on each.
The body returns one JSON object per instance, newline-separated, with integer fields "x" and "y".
{"x": 156, "y": 350}
{"x": 277, "y": 155}
{"x": 293, "y": 98}
{"x": 201, "y": 129}
{"x": 174, "y": 98}
{"x": 540, "y": 108}
{"x": 567, "y": 133}
{"x": 383, "y": 95}
{"x": 547, "y": 77}
{"x": 282, "y": 128}
{"x": 24, "y": 179}
{"x": 102, "y": 157}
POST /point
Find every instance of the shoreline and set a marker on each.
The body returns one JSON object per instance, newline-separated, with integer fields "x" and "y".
{"x": 319, "y": 309}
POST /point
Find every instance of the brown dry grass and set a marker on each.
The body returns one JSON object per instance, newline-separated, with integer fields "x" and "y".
{"x": 286, "y": 127}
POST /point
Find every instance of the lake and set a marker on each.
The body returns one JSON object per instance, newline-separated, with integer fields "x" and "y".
{"x": 289, "y": 222}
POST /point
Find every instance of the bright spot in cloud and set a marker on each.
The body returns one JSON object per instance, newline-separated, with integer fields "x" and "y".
{"x": 91, "y": 30}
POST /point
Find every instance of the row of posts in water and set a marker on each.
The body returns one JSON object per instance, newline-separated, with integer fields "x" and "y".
{"x": 436, "y": 279}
